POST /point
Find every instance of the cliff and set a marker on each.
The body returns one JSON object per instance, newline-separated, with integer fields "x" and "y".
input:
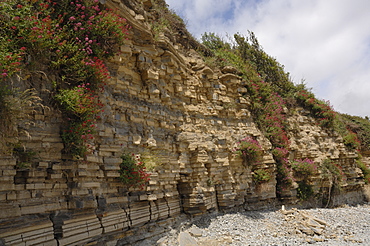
{"x": 164, "y": 103}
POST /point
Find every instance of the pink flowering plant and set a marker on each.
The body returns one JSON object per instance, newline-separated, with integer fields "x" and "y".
{"x": 250, "y": 150}
{"x": 280, "y": 153}
{"x": 68, "y": 39}
{"x": 269, "y": 108}
{"x": 133, "y": 171}
{"x": 274, "y": 121}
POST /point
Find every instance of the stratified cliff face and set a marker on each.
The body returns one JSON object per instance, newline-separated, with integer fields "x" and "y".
{"x": 162, "y": 101}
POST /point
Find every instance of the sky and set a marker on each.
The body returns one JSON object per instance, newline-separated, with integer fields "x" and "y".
{"x": 325, "y": 43}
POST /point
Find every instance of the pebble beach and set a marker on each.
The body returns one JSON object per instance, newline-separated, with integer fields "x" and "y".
{"x": 345, "y": 225}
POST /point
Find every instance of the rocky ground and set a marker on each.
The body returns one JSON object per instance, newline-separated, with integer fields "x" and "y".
{"x": 346, "y": 225}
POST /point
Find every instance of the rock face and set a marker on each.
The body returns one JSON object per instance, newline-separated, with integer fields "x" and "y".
{"x": 165, "y": 101}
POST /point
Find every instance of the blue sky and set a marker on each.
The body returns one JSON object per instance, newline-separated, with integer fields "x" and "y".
{"x": 324, "y": 42}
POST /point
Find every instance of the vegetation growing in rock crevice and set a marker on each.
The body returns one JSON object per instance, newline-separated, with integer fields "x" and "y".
{"x": 304, "y": 170}
{"x": 250, "y": 150}
{"x": 68, "y": 40}
{"x": 261, "y": 176}
{"x": 133, "y": 171}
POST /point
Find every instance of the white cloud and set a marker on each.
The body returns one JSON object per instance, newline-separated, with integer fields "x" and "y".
{"x": 325, "y": 42}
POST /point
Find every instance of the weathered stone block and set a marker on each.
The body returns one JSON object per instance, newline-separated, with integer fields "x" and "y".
{"x": 6, "y": 179}
{"x": 7, "y": 187}
{"x": 33, "y": 234}
{"x": 95, "y": 159}
{"x": 112, "y": 174}
{"x": 9, "y": 211}
{"x": 11, "y": 196}
{"x": 114, "y": 221}
{"x": 39, "y": 209}
{"x": 9, "y": 172}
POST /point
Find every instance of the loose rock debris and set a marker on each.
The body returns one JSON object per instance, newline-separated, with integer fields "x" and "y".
{"x": 348, "y": 225}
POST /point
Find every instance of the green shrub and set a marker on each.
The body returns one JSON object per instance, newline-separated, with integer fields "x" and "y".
{"x": 332, "y": 171}
{"x": 280, "y": 153}
{"x": 261, "y": 176}
{"x": 304, "y": 168}
{"x": 351, "y": 141}
{"x": 304, "y": 190}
